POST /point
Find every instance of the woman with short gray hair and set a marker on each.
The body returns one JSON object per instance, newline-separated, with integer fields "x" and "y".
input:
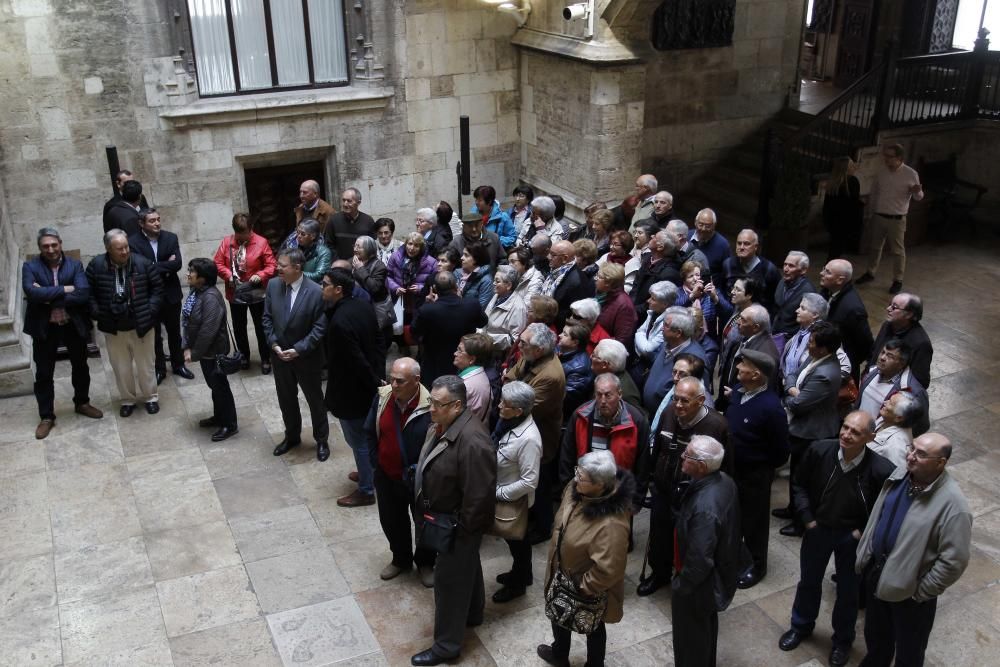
{"x": 586, "y": 312}
{"x": 507, "y": 312}
{"x": 316, "y": 255}
{"x": 813, "y": 308}
{"x": 649, "y": 336}
{"x": 895, "y": 433}
{"x": 371, "y": 274}
{"x": 519, "y": 458}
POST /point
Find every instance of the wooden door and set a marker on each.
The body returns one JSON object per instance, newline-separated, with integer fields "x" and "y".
{"x": 855, "y": 44}
{"x": 273, "y": 194}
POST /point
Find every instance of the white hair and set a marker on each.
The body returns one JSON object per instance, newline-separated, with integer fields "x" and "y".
{"x": 541, "y": 336}
{"x": 679, "y": 319}
{"x": 664, "y": 292}
{"x": 758, "y": 314}
{"x": 544, "y": 206}
{"x": 709, "y": 450}
{"x": 586, "y": 309}
{"x": 600, "y": 466}
{"x": 801, "y": 258}
{"x": 519, "y": 395}
{"x": 815, "y": 304}
{"x": 427, "y": 213}
{"x": 612, "y": 352}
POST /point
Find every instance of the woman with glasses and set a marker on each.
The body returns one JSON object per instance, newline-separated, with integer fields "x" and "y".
{"x": 317, "y": 255}
{"x": 620, "y": 252}
{"x": 387, "y": 245}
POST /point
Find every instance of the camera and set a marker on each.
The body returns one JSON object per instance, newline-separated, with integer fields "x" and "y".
{"x": 576, "y": 11}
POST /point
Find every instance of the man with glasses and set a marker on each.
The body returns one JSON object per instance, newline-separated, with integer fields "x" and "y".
{"x": 891, "y": 374}
{"x": 902, "y": 322}
{"x": 915, "y": 546}
{"x": 565, "y": 282}
{"x": 835, "y": 487}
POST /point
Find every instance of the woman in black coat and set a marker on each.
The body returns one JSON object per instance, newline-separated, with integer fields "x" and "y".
{"x": 842, "y": 209}
{"x": 203, "y": 316}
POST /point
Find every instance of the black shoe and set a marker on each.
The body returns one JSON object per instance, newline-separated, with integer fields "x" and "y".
{"x": 781, "y": 513}
{"x": 126, "y": 410}
{"x": 152, "y": 407}
{"x": 838, "y": 656}
{"x": 650, "y": 585}
{"x": 265, "y": 368}
{"x": 751, "y": 578}
{"x": 895, "y": 288}
{"x": 322, "y": 451}
{"x": 160, "y": 377}
{"x": 866, "y": 278}
{"x": 544, "y": 652}
{"x": 208, "y": 422}
{"x": 224, "y": 433}
{"x": 184, "y": 372}
{"x": 286, "y": 445}
{"x": 791, "y": 639}
{"x": 508, "y": 593}
{"x": 791, "y": 530}
{"x": 245, "y": 364}
{"x": 429, "y": 657}
{"x": 507, "y": 579}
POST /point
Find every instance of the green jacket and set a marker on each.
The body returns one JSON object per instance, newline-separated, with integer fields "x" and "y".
{"x": 318, "y": 260}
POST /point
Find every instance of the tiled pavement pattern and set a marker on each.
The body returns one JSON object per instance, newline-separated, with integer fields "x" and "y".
{"x": 139, "y": 542}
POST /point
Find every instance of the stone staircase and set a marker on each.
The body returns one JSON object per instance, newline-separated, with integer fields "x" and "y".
{"x": 15, "y": 365}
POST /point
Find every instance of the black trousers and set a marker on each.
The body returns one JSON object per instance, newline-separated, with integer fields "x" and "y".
{"x": 597, "y": 643}
{"x": 695, "y": 629}
{"x": 753, "y": 487}
{"x": 521, "y": 569}
{"x": 896, "y": 629}
{"x": 239, "y": 313}
{"x": 223, "y": 404}
{"x": 395, "y": 513}
{"x": 302, "y": 372}
{"x": 798, "y": 447}
{"x": 661, "y": 537}
{"x": 44, "y": 355}
{"x": 541, "y": 515}
{"x": 170, "y": 318}
{"x": 459, "y": 595}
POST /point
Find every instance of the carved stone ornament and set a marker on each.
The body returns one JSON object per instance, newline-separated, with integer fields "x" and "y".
{"x": 693, "y": 24}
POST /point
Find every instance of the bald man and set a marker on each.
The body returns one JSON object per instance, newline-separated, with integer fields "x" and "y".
{"x": 847, "y": 311}
{"x": 565, "y": 282}
{"x": 748, "y": 263}
{"x": 311, "y": 206}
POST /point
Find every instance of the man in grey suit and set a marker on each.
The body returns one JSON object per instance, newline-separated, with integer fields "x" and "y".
{"x": 294, "y": 323}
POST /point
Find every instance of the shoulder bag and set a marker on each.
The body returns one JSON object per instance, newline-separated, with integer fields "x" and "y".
{"x": 566, "y": 605}
{"x": 233, "y": 362}
{"x": 244, "y": 293}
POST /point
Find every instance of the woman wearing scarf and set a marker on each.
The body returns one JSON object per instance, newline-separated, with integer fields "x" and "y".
{"x": 621, "y": 253}
{"x": 408, "y": 271}
{"x": 473, "y": 278}
{"x": 387, "y": 245}
{"x": 506, "y": 313}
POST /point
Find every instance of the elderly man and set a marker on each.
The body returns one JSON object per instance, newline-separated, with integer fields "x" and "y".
{"x": 610, "y": 356}
{"x": 902, "y": 322}
{"x": 678, "y": 334}
{"x": 686, "y": 252}
{"x": 708, "y": 551}
{"x": 565, "y": 282}
{"x": 396, "y": 427}
{"x": 890, "y": 375}
{"x": 294, "y": 324}
{"x": 440, "y": 324}
{"x": 847, "y": 311}
{"x": 125, "y": 294}
{"x": 541, "y": 246}
{"x": 747, "y": 263}
{"x": 663, "y": 210}
{"x": 494, "y": 218}
{"x": 758, "y": 437}
{"x": 787, "y": 297}
{"x": 473, "y": 230}
{"x": 456, "y": 480}
{"x": 163, "y": 249}
{"x": 754, "y": 325}
{"x": 894, "y": 431}
{"x": 311, "y": 206}
{"x": 686, "y": 417}
{"x": 645, "y": 188}
{"x": 889, "y": 202}
{"x": 657, "y": 265}
{"x": 835, "y": 488}
{"x": 344, "y": 227}
{"x": 58, "y": 294}
{"x": 915, "y": 546}
{"x": 543, "y": 212}
{"x": 714, "y": 245}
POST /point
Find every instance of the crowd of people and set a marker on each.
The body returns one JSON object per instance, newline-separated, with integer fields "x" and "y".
{"x": 552, "y": 380}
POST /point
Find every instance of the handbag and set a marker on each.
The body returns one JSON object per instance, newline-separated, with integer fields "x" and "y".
{"x": 227, "y": 364}
{"x": 384, "y": 313}
{"x": 566, "y": 606}
{"x": 244, "y": 293}
{"x": 510, "y": 519}
{"x": 397, "y": 325}
{"x": 437, "y": 532}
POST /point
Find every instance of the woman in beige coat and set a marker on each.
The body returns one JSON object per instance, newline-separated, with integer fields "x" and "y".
{"x": 593, "y": 526}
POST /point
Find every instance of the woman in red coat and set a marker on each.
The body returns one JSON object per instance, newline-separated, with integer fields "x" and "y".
{"x": 617, "y": 311}
{"x": 246, "y": 263}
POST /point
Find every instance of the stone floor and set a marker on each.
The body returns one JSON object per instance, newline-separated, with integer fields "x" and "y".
{"x": 139, "y": 542}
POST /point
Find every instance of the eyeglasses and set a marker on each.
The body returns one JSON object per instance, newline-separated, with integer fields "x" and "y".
{"x": 438, "y": 404}
{"x": 687, "y": 456}
{"x": 893, "y": 306}
{"x": 920, "y": 454}
{"x": 576, "y": 475}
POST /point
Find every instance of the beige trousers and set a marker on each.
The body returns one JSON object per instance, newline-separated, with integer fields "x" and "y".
{"x": 124, "y": 348}
{"x": 893, "y": 231}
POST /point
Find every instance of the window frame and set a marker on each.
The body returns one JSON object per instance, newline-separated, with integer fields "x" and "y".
{"x": 269, "y": 32}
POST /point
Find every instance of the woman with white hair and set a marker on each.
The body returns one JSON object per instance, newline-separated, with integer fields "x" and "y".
{"x": 586, "y": 312}
{"x": 507, "y": 312}
{"x": 317, "y": 255}
{"x": 895, "y": 427}
{"x": 649, "y": 336}
{"x": 795, "y": 355}
{"x": 371, "y": 274}
{"x": 519, "y": 458}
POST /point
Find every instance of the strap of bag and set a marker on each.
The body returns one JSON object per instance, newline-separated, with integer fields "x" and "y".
{"x": 399, "y": 432}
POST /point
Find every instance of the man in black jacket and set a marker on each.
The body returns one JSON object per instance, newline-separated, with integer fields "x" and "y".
{"x": 902, "y": 322}
{"x": 788, "y": 294}
{"x": 162, "y": 249}
{"x": 847, "y": 311}
{"x": 353, "y": 358}
{"x": 835, "y": 487}
{"x": 708, "y": 548}
{"x": 746, "y": 262}
{"x": 656, "y": 265}
{"x": 125, "y": 295}
{"x": 345, "y": 226}
{"x": 123, "y": 213}
{"x": 565, "y": 282}
{"x": 121, "y": 178}
{"x": 440, "y": 324}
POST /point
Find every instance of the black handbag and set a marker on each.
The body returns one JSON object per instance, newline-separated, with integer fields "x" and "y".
{"x": 566, "y": 605}
{"x": 437, "y": 532}
{"x": 229, "y": 364}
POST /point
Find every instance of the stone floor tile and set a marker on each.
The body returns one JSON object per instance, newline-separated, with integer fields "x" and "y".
{"x": 20, "y": 459}
{"x": 146, "y": 436}
{"x": 31, "y": 637}
{"x": 512, "y": 640}
{"x": 154, "y": 654}
{"x": 76, "y": 526}
{"x": 197, "y": 397}
{"x": 247, "y": 644}
{"x": 276, "y": 532}
{"x": 113, "y": 626}
{"x": 101, "y": 570}
{"x": 338, "y": 523}
{"x": 257, "y": 492}
{"x": 747, "y": 621}
{"x": 982, "y": 572}
{"x": 168, "y": 506}
{"x": 399, "y": 612}
{"x": 473, "y": 653}
{"x": 26, "y": 533}
{"x": 92, "y": 443}
{"x": 322, "y": 634}
{"x": 778, "y": 608}
{"x": 171, "y": 467}
{"x": 654, "y": 652}
{"x": 361, "y": 560}
{"x": 206, "y": 600}
{"x": 89, "y": 485}
{"x": 190, "y": 550}
{"x": 967, "y": 632}
{"x": 26, "y": 584}
{"x": 249, "y": 451}
{"x": 24, "y": 493}
{"x": 986, "y": 534}
{"x": 317, "y": 481}
{"x": 782, "y": 569}
{"x": 296, "y": 580}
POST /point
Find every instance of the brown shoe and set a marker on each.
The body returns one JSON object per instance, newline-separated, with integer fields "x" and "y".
{"x": 88, "y": 410}
{"x": 353, "y": 476}
{"x": 356, "y": 499}
{"x": 43, "y": 428}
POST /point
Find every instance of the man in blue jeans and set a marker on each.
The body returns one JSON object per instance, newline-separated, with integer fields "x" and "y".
{"x": 833, "y": 494}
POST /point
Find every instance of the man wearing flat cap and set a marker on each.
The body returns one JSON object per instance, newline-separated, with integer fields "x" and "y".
{"x": 758, "y": 438}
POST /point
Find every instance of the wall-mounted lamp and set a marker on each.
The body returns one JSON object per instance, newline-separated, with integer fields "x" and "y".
{"x": 519, "y": 9}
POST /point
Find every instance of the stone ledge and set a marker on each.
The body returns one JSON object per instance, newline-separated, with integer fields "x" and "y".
{"x": 593, "y": 51}
{"x": 273, "y": 105}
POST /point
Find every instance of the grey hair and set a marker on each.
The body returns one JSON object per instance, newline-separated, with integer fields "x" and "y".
{"x": 801, "y": 257}
{"x": 411, "y": 365}
{"x": 47, "y": 231}
{"x": 428, "y": 214}
{"x": 113, "y": 234}
{"x": 544, "y": 207}
{"x": 907, "y": 409}
{"x": 608, "y": 377}
{"x": 311, "y": 185}
{"x": 677, "y": 227}
{"x": 600, "y": 467}
{"x": 649, "y": 181}
{"x": 816, "y": 304}
{"x": 539, "y": 240}
{"x": 541, "y": 336}
{"x": 709, "y": 213}
{"x": 506, "y": 273}
{"x": 679, "y": 319}
{"x": 758, "y": 315}
{"x": 586, "y": 309}
{"x": 455, "y": 387}
{"x": 309, "y": 226}
{"x": 666, "y": 240}
{"x": 709, "y": 450}
{"x": 355, "y": 192}
{"x": 368, "y": 246}
{"x": 664, "y": 292}
{"x": 756, "y": 239}
{"x": 519, "y": 395}
{"x": 613, "y": 352}
{"x": 294, "y": 255}
{"x": 666, "y": 195}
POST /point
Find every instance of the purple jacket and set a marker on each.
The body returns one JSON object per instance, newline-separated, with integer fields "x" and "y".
{"x": 397, "y": 270}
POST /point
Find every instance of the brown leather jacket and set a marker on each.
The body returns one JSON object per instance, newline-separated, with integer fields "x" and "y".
{"x": 547, "y": 378}
{"x": 320, "y": 214}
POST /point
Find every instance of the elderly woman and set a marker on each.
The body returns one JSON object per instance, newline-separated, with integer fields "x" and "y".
{"x": 795, "y": 355}
{"x": 542, "y": 219}
{"x": 610, "y": 356}
{"x": 649, "y": 336}
{"x": 436, "y": 236}
{"x": 507, "y": 312}
{"x": 371, "y": 275}
{"x": 589, "y": 548}
{"x": 587, "y": 312}
{"x": 617, "y": 312}
{"x": 521, "y": 210}
{"x": 245, "y": 263}
{"x": 387, "y": 245}
{"x": 894, "y": 433}
{"x": 621, "y": 246}
{"x": 576, "y": 366}
{"x": 203, "y": 317}
{"x": 693, "y": 293}
{"x": 586, "y": 255}
{"x": 473, "y": 278}
{"x": 601, "y": 223}
{"x": 408, "y": 272}
{"x": 474, "y": 353}
{"x": 317, "y": 255}
{"x": 529, "y": 279}
{"x": 642, "y": 234}
{"x": 519, "y": 458}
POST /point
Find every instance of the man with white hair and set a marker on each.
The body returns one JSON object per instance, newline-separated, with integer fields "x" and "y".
{"x": 748, "y": 263}
{"x": 678, "y": 333}
{"x": 435, "y": 236}
{"x": 312, "y": 206}
{"x": 788, "y": 295}
{"x": 686, "y": 252}
{"x": 663, "y": 209}
{"x": 708, "y": 548}
{"x": 345, "y": 227}
{"x": 656, "y": 265}
{"x": 543, "y": 219}
{"x": 755, "y": 334}
{"x": 714, "y": 245}
{"x": 645, "y": 188}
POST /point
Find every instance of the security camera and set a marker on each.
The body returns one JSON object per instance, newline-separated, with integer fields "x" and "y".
{"x": 576, "y": 12}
